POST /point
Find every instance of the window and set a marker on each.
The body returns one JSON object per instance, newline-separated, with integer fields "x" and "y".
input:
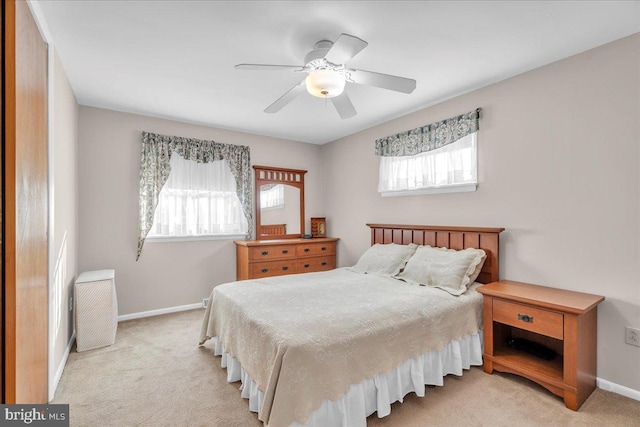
{"x": 198, "y": 199}
{"x": 451, "y": 168}
{"x": 272, "y": 198}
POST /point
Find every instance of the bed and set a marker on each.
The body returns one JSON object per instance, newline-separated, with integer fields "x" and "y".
{"x": 331, "y": 348}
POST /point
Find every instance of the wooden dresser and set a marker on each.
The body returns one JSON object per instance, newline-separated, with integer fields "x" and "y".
{"x": 266, "y": 258}
{"x": 563, "y": 321}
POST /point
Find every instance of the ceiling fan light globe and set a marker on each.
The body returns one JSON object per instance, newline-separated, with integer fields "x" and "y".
{"x": 325, "y": 83}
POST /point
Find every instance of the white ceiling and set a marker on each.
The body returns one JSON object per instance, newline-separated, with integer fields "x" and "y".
{"x": 174, "y": 59}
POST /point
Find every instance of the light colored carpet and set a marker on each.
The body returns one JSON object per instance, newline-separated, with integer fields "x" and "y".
{"x": 156, "y": 375}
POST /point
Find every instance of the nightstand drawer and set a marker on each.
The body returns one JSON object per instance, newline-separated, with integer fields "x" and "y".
{"x": 322, "y": 263}
{"x": 532, "y": 319}
{"x": 257, "y": 253}
{"x": 273, "y": 268}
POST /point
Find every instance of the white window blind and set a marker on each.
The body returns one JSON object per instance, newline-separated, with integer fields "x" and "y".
{"x": 198, "y": 199}
{"x": 451, "y": 168}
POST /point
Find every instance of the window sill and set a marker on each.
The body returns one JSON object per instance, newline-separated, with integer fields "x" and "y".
{"x": 433, "y": 190}
{"x": 163, "y": 239}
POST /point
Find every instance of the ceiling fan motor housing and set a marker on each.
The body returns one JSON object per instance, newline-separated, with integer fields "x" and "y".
{"x": 319, "y": 51}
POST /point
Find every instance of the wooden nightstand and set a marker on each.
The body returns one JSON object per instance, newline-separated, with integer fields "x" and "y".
{"x": 561, "y": 320}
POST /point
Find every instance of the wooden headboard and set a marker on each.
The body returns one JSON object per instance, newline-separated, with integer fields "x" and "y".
{"x": 447, "y": 237}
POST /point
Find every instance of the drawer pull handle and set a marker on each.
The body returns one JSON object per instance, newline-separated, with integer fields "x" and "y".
{"x": 307, "y": 249}
{"x": 264, "y": 270}
{"x": 265, "y": 252}
{"x": 285, "y": 268}
{"x": 286, "y": 251}
{"x": 324, "y": 249}
{"x": 525, "y": 318}
{"x": 324, "y": 263}
{"x": 306, "y": 266}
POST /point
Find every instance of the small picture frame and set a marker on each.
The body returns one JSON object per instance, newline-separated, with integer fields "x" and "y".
{"x": 319, "y": 227}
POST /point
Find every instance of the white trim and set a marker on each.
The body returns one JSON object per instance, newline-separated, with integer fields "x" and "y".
{"x": 162, "y": 239}
{"x": 159, "y": 311}
{"x": 457, "y": 188}
{"x": 618, "y": 389}
{"x": 61, "y": 366}
{"x": 38, "y": 15}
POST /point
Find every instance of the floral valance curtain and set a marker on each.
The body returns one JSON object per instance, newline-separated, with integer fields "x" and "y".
{"x": 429, "y": 137}
{"x": 155, "y": 168}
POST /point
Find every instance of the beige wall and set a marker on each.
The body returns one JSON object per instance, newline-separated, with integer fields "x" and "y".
{"x": 171, "y": 273}
{"x": 558, "y": 168}
{"x": 65, "y": 204}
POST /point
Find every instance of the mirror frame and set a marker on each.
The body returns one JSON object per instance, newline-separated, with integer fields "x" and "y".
{"x": 273, "y": 175}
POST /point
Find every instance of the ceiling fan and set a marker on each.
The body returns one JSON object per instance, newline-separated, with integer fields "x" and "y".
{"x": 327, "y": 75}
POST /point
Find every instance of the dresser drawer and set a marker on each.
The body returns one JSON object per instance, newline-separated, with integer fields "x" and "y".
{"x": 544, "y": 322}
{"x": 321, "y": 263}
{"x": 273, "y": 268}
{"x": 257, "y": 253}
{"x": 315, "y": 249}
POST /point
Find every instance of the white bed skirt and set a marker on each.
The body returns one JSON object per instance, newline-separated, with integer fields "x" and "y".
{"x": 377, "y": 393}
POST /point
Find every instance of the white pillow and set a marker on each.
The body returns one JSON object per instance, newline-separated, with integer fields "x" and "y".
{"x": 443, "y": 268}
{"x": 387, "y": 259}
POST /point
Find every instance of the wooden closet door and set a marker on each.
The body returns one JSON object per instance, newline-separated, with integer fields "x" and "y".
{"x": 25, "y": 204}
{"x": 2, "y": 220}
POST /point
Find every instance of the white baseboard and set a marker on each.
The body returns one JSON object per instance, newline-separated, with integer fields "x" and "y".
{"x": 60, "y": 370}
{"x": 618, "y": 389}
{"x": 159, "y": 311}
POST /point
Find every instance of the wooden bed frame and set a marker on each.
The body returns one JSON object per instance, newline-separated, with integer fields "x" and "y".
{"x": 483, "y": 238}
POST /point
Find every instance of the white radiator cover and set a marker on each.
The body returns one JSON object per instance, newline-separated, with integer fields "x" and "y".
{"x": 96, "y": 309}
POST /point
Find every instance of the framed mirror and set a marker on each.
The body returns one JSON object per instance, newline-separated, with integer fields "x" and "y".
{"x": 279, "y": 202}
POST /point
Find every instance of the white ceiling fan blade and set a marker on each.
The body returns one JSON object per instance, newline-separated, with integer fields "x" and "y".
{"x": 267, "y": 67}
{"x": 385, "y": 81}
{"x": 345, "y": 48}
{"x": 344, "y": 106}
{"x": 286, "y": 98}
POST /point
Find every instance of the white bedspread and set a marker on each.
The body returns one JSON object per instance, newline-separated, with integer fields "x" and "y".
{"x": 306, "y": 338}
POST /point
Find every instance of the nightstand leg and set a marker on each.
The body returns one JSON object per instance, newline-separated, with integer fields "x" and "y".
{"x": 570, "y": 400}
{"x": 487, "y": 318}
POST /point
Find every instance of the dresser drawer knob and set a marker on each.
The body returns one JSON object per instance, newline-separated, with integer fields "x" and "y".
{"x": 525, "y": 318}
{"x": 285, "y": 268}
{"x": 286, "y": 251}
{"x": 307, "y": 249}
{"x": 324, "y": 263}
{"x": 306, "y": 266}
{"x": 265, "y": 252}
{"x": 264, "y": 270}
{"x": 324, "y": 249}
